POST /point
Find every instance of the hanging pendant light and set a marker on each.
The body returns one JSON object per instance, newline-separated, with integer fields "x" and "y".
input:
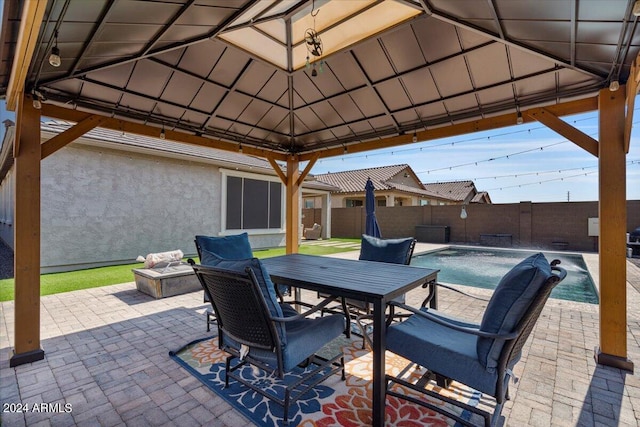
{"x": 54, "y": 58}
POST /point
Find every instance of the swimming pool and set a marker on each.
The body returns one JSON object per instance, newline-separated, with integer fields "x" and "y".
{"x": 483, "y": 268}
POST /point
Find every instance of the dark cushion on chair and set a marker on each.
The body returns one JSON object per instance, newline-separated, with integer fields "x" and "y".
{"x": 441, "y": 349}
{"x": 509, "y": 301}
{"x": 228, "y": 247}
{"x": 393, "y": 251}
{"x": 304, "y": 337}
{"x": 264, "y": 280}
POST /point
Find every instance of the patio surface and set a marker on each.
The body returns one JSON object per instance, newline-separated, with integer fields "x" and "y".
{"x": 106, "y": 354}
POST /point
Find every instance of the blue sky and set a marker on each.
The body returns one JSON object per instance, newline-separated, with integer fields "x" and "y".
{"x": 530, "y": 162}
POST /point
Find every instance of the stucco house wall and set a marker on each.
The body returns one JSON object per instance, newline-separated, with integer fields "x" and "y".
{"x": 103, "y": 206}
{"x": 104, "y": 203}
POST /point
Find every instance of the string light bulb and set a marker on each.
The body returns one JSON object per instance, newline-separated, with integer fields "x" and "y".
{"x": 37, "y": 99}
{"x": 519, "y": 119}
{"x": 415, "y": 137}
{"x": 162, "y": 133}
{"x": 54, "y": 58}
{"x": 463, "y": 213}
{"x": 614, "y": 85}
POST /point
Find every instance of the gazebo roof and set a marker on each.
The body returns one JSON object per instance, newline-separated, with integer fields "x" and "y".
{"x": 233, "y": 72}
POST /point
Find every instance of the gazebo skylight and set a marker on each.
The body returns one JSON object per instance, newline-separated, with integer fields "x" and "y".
{"x": 270, "y": 31}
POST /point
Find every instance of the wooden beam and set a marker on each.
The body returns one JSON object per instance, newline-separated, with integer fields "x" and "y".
{"x": 276, "y": 167}
{"x": 613, "y": 226}
{"x": 27, "y": 237}
{"x": 497, "y": 122}
{"x": 292, "y": 222}
{"x": 307, "y": 169}
{"x": 57, "y": 142}
{"x": 62, "y": 113}
{"x": 574, "y": 135}
{"x": 632, "y": 91}
{"x": 16, "y": 141}
{"x": 30, "y": 22}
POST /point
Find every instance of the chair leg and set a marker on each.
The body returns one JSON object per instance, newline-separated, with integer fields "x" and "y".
{"x": 211, "y": 318}
{"x": 226, "y": 371}
{"x": 347, "y": 314}
{"x": 285, "y": 418}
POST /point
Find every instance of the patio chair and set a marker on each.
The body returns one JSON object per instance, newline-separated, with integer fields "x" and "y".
{"x": 481, "y": 356}
{"x": 254, "y": 329}
{"x": 394, "y": 251}
{"x": 236, "y": 246}
{"x": 313, "y": 233}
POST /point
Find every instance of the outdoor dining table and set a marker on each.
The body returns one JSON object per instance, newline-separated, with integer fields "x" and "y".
{"x": 373, "y": 282}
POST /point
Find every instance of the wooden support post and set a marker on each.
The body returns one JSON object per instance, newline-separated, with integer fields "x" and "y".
{"x": 613, "y": 222}
{"x": 27, "y": 236}
{"x": 293, "y": 205}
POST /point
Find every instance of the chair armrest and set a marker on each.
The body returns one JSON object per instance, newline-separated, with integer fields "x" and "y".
{"x": 476, "y": 332}
{"x": 312, "y": 310}
{"x": 429, "y": 297}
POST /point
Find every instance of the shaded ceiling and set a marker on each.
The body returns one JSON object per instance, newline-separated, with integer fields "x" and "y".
{"x": 236, "y": 70}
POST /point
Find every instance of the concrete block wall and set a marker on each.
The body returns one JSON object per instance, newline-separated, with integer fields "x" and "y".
{"x": 561, "y": 226}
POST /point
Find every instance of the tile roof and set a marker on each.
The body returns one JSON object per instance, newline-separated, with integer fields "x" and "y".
{"x": 453, "y": 190}
{"x": 354, "y": 181}
{"x": 221, "y": 157}
{"x": 481, "y": 197}
{"x": 163, "y": 146}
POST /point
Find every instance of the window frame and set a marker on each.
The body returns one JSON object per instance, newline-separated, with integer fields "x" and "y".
{"x": 224, "y": 231}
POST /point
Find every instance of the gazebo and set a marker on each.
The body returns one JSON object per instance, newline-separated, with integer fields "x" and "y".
{"x": 294, "y": 81}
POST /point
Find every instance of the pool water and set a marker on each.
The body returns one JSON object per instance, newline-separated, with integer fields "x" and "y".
{"x": 483, "y": 268}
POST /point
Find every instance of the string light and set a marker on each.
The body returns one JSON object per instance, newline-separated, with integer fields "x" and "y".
{"x": 462, "y": 141}
{"x": 54, "y": 58}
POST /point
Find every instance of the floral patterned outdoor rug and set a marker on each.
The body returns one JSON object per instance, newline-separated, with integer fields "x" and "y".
{"x": 331, "y": 403}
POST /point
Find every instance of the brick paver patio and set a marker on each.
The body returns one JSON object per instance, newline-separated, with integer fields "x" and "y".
{"x": 107, "y": 361}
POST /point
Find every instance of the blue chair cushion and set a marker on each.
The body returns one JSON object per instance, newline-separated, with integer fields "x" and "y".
{"x": 264, "y": 281}
{"x": 509, "y": 302}
{"x": 394, "y": 251}
{"x": 304, "y": 337}
{"x": 442, "y": 350}
{"x": 228, "y": 247}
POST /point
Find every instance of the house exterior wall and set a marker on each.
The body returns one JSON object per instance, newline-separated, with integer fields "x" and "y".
{"x": 392, "y": 197}
{"x": 7, "y": 187}
{"x": 102, "y": 206}
{"x": 552, "y": 226}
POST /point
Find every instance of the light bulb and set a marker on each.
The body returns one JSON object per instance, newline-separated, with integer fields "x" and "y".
{"x": 37, "y": 104}
{"x": 614, "y": 85}
{"x": 162, "y": 134}
{"x": 415, "y": 137}
{"x": 54, "y": 58}
{"x": 519, "y": 119}
{"x": 463, "y": 213}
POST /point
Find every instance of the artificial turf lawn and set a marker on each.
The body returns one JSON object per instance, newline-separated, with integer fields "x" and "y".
{"x": 55, "y": 283}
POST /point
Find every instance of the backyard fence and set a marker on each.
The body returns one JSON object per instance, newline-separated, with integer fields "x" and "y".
{"x": 560, "y": 226}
